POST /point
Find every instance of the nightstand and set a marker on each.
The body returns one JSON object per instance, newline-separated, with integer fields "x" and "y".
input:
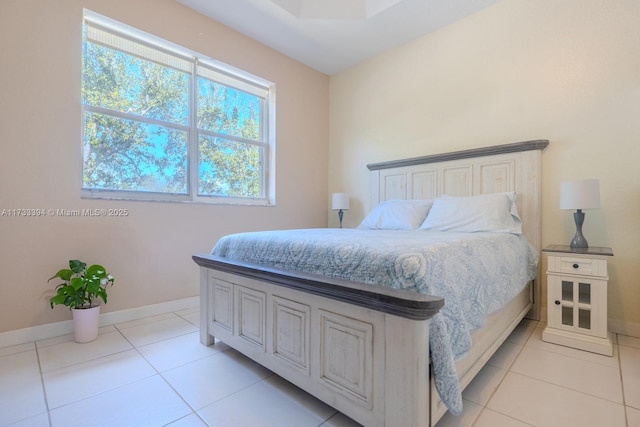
{"x": 577, "y": 298}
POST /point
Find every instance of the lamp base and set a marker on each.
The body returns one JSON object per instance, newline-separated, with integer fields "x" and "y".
{"x": 579, "y": 241}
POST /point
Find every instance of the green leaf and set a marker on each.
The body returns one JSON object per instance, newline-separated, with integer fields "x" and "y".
{"x": 64, "y": 289}
{"x": 93, "y": 286}
{"x": 58, "y": 299}
{"x": 96, "y": 270}
{"x": 77, "y": 266}
{"x": 77, "y": 283}
{"x": 102, "y": 294}
{"x": 64, "y": 274}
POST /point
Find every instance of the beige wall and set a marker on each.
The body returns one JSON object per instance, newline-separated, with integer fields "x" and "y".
{"x": 563, "y": 70}
{"x": 149, "y": 251}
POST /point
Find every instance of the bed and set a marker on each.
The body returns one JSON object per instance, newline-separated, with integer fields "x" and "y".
{"x": 361, "y": 347}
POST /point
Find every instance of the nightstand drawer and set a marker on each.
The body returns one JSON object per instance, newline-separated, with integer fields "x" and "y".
{"x": 577, "y": 265}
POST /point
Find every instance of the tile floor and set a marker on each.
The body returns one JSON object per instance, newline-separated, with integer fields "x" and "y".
{"x": 154, "y": 372}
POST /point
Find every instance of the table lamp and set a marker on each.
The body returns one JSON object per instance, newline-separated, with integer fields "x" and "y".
{"x": 340, "y": 202}
{"x": 579, "y": 195}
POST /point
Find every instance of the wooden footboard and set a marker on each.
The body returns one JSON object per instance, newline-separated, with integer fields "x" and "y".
{"x": 361, "y": 349}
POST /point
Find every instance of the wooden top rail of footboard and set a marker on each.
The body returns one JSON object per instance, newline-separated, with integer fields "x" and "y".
{"x": 409, "y": 305}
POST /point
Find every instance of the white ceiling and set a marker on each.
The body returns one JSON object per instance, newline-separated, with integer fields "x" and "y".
{"x": 332, "y": 35}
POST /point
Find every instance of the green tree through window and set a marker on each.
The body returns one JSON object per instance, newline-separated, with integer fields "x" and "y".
{"x": 160, "y": 123}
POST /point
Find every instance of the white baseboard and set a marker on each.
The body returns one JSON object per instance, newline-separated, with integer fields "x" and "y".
{"x": 50, "y": 330}
{"x": 624, "y": 328}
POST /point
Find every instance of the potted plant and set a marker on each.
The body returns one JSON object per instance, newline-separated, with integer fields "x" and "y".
{"x": 80, "y": 288}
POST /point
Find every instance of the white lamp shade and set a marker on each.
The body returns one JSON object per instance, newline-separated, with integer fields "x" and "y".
{"x": 339, "y": 201}
{"x": 581, "y": 194}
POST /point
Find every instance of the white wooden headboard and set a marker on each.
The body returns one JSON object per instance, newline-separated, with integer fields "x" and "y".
{"x": 509, "y": 167}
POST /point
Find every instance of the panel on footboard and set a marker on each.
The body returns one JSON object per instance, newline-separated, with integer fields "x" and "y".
{"x": 222, "y": 301}
{"x": 251, "y": 315}
{"x": 291, "y": 329}
{"x": 346, "y": 354}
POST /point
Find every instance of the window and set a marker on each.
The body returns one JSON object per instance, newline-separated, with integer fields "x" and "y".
{"x": 163, "y": 123}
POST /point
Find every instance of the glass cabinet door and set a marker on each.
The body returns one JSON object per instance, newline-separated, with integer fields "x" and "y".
{"x": 575, "y": 303}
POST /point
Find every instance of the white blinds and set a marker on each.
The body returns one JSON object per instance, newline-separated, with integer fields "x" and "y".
{"x": 235, "y": 81}
{"x": 98, "y": 30}
{"x": 107, "y": 37}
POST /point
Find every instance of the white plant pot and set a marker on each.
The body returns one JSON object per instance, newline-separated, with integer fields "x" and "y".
{"x": 85, "y": 323}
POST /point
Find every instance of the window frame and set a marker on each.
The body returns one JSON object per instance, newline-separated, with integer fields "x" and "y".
{"x": 229, "y": 76}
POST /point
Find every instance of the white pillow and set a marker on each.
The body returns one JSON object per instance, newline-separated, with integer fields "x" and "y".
{"x": 487, "y": 212}
{"x": 397, "y": 215}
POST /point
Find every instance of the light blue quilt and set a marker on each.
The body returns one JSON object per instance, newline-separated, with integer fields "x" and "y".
{"x": 476, "y": 273}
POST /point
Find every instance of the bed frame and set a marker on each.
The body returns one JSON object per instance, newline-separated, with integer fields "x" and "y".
{"x": 360, "y": 348}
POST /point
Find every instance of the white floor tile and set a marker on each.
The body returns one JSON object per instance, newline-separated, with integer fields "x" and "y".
{"x": 67, "y": 385}
{"x": 40, "y": 420}
{"x": 21, "y": 392}
{"x": 191, "y": 420}
{"x": 521, "y": 333}
{"x": 147, "y": 333}
{"x": 68, "y": 353}
{"x": 489, "y": 418}
{"x": 145, "y": 321}
{"x": 208, "y": 380}
{"x": 630, "y": 367}
{"x": 542, "y": 404}
{"x": 504, "y": 357}
{"x": 340, "y": 420}
{"x": 470, "y": 412}
{"x": 191, "y": 315}
{"x": 598, "y": 380}
{"x": 274, "y": 403}
{"x": 633, "y": 417}
{"x": 483, "y": 385}
{"x": 178, "y": 351}
{"x": 149, "y": 402}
